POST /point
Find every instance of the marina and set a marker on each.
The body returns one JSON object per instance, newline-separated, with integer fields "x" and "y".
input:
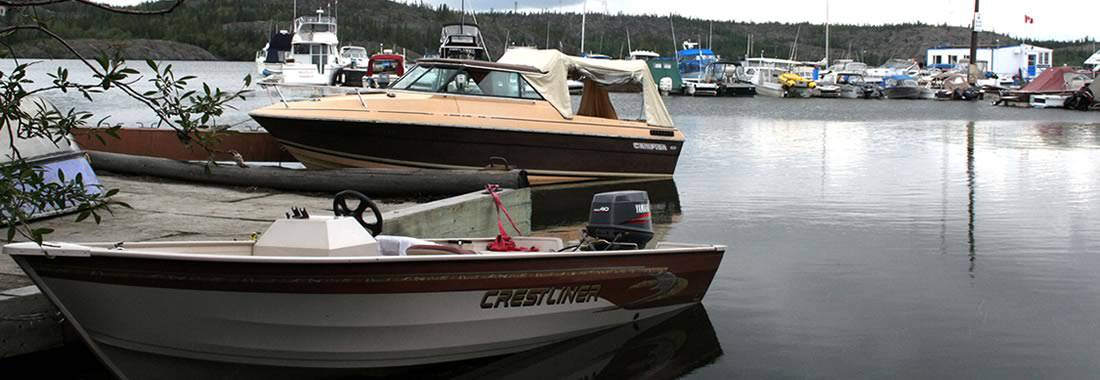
{"x": 496, "y": 207}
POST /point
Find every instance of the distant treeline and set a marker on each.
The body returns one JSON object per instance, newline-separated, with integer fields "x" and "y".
{"x": 235, "y": 30}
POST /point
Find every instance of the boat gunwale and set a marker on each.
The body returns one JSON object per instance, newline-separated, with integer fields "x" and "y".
{"x": 428, "y": 165}
{"x": 281, "y": 113}
{"x": 78, "y": 250}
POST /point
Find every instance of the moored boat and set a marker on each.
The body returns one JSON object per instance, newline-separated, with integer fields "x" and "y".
{"x": 462, "y": 114}
{"x": 901, "y": 87}
{"x": 462, "y": 40}
{"x": 330, "y": 292}
{"x": 774, "y": 77}
{"x": 726, "y": 77}
{"x": 693, "y": 62}
{"x": 313, "y": 58}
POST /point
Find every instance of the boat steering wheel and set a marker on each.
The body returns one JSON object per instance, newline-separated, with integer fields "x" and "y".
{"x": 340, "y": 208}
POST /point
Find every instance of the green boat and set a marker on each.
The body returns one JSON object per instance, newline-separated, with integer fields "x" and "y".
{"x": 666, "y": 72}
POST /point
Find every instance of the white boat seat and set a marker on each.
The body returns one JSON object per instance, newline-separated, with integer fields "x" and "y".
{"x": 398, "y": 245}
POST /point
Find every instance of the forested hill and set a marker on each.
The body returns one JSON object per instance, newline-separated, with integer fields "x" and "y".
{"x": 235, "y": 30}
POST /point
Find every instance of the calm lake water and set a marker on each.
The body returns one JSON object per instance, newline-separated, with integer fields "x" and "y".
{"x": 867, "y": 239}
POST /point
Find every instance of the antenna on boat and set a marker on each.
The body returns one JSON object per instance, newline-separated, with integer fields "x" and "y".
{"x": 748, "y": 46}
{"x": 628, "y": 48}
{"x": 295, "y": 14}
{"x": 480, "y": 38}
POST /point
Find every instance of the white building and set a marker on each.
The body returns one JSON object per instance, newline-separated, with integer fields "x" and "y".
{"x": 1028, "y": 60}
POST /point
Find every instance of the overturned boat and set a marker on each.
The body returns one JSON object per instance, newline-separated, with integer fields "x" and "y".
{"x": 331, "y": 292}
{"x": 59, "y": 160}
{"x": 464, "y": 114}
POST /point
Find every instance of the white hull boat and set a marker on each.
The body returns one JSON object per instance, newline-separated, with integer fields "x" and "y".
{"x": 319, "y": 292}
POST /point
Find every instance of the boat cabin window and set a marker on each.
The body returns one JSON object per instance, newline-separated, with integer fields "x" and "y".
{"x": 317, "y": 28}
{"x": 318, "y": 53}
{"x": 468, "y": 81}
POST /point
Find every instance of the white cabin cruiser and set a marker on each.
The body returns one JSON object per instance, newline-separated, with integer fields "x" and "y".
{"x": 330, "y": 292}
{"x": 314, "y": 57}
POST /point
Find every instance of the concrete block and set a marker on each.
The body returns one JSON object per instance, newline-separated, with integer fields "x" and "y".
{"x": 466, "y": 216}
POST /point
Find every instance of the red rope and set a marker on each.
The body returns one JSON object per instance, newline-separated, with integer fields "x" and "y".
{"x": 503, "y": 242}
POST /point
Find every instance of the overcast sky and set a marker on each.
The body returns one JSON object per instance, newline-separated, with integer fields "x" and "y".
{"x": 1061, "y": 19}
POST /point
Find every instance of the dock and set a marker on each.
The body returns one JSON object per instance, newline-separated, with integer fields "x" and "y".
{"x": 174, "y": 210}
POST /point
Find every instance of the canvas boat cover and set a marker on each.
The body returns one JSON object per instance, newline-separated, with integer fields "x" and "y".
{"x": 1050, "y": 81}
{"x": 554, "y": 69}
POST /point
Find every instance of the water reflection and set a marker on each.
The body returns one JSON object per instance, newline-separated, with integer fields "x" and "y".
{"x": 970, "y": 187}
{"x": 662, "y": 347}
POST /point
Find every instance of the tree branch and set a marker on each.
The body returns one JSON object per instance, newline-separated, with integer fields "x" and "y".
{"x": 105, "y": 7}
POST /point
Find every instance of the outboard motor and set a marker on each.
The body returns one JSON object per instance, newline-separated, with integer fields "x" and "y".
{"x": 622, "y": 218}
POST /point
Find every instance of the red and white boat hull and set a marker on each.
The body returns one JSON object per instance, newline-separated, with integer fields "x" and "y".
{"x": 365, "y": 312}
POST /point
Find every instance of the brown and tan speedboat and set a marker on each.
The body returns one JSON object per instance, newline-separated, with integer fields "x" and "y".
{"x": 459, "y": 114}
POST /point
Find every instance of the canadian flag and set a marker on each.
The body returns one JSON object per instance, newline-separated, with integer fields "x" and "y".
{"x": 1028, "y": 20}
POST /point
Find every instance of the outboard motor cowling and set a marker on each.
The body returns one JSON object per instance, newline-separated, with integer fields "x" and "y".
{"x": 622, "y": 218}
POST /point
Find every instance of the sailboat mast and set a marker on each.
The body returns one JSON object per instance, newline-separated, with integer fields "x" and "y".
{"x": 826, "y": 34}
{"x": 710, "y": 36}
{"x": 584, "y": 16}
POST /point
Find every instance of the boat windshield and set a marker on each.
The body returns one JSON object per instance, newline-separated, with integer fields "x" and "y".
{"x": 467, "y": 81}
{"x": 382, "y": 66}
{"x": 316, "y": 28}
{"x": 468, "y": 29}
{"x": 355, "y": 52}
{"x": 849, "y": 79}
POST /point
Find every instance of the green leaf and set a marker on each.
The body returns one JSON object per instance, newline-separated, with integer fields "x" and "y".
{"x": 103, "y": 61}
{"x": 83, "y": 215}
{"x": 11, "y": 232}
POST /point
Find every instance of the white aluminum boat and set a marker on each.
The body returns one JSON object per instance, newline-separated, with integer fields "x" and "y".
{"x": 320, "y": 292}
